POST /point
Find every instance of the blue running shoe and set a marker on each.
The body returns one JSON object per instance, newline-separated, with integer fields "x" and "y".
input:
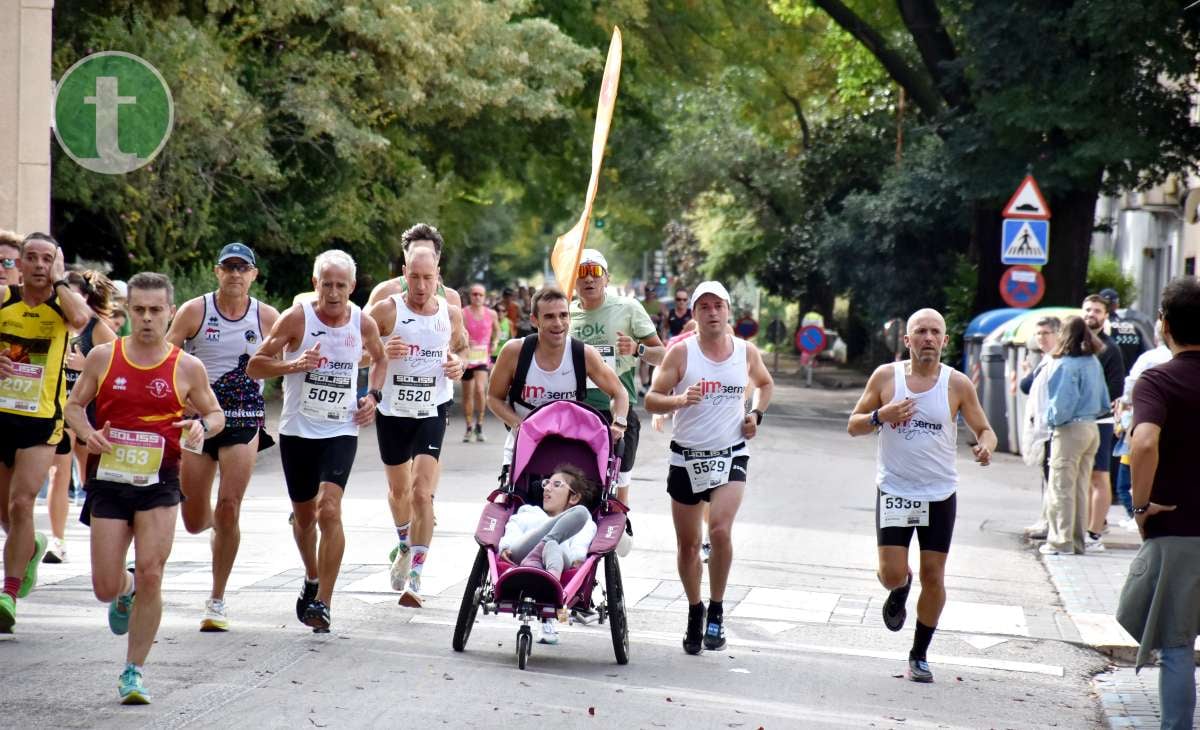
{"x": 118, "y": 613}
{"x": 131, "y": 689}
{"x": 918, "y": 670}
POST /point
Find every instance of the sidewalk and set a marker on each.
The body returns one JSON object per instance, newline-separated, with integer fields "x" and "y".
{"x": 1089, "y": 586}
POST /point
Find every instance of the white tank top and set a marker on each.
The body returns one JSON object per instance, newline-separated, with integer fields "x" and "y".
{"x": 715, "y": 422}
{"x": 221, "y": 342}
{"x": 542, "y": 387}
{"x": 917, "y": 458}
{"x": 321, "y": 403}
{"x": 416, "y": 383}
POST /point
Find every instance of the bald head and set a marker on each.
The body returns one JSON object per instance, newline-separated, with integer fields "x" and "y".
{"x": 926, "y": 336}
{"x": 928, "y": 317}
{"x": 421, "y": 274}
{"x": 421, "y": 258}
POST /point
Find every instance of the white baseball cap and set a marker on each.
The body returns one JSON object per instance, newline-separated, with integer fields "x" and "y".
{"x": 709, "y": 287}
{"x": 592, "y": 256}
{"x": 122, "y": 288}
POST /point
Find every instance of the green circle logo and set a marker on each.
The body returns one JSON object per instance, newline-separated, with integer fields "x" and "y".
{"x": 113, "y": 112}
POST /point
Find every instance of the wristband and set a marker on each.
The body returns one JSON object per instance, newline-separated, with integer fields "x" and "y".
{"x": 758, "y": 416}
{"x": 203, "y": 424}
{"x": 875, "y": 418}
{"x": 1141, "y": 510}
{"x": 58, "y": 282}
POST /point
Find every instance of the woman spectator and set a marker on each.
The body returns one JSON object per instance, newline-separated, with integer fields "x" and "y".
{"x": 1076, "y": 396}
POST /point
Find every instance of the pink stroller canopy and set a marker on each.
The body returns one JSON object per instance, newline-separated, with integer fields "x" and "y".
{"x": 565, "y": 419}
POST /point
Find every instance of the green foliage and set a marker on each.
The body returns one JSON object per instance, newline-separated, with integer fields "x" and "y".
{"x": 1104, "y": 272}
{"x": 959, "y": 293}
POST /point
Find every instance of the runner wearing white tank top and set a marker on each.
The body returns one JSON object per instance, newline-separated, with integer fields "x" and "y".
{"x": 703, "y": 383}
{"x": 424, "y": 335}
{"x": 317, "y": 346}
{"x": 914, "y": 406}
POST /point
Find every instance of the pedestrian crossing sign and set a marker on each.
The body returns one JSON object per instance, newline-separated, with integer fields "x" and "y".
{"x": 1025, "y": 241}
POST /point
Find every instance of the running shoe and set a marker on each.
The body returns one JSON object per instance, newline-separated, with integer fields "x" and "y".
{"x": 467, "y": 435}
{"x": 317, "y": 616}
{"x": 549, "y": 632}
{"x": 918, "y": 670}
{"x": 1048, "y": 549}
{"x": 705, "y": 551}
{"x": 411, "y": 597}
{"x": 714, "y": 631}
{"x": 8, "y": 613}
{"x": 479, "y": 438}
{"x": 624, "y": 545}
{"x": 401, "y": 564}
{"x": 118, "y": 614}
{"x": 215, "y": 618}
{"x": 56, "y": 553}
{"x": 1093, "y": 544}
{"x": 131, "y": 689}
{"x": 31, "y": 568}
{"x": 693, "y": 640}
{"x": 583, "y": 616}
{"x": 308, "y": 594}
{"x": 894, "y": 611}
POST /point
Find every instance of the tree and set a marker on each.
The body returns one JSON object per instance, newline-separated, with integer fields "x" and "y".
{"x": 1094, "y": 95}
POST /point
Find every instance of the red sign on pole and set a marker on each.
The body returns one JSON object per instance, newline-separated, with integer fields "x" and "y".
{"x": 811, "y": 339}
{"x": 1022, "y": 286}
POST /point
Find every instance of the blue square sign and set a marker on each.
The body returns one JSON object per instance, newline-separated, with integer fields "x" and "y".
{"x": 1025, "y": 241}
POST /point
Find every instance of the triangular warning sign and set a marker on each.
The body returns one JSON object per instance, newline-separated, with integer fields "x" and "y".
{"x": 1027, "y": 202}
{"x": 1025, "y": 244}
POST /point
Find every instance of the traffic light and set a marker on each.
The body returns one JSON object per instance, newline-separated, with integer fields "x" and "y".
{"x": 662, "y": 280}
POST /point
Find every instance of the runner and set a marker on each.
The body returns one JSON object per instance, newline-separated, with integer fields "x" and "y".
{"x": 914, "y": 406}
{"x": 619, "y": 328}
{"x": 703, "y": 382}
{"x": 316, "y": 347}
{"x": 546, "y": 366}
{"x": 35, "y": 319}
{"x": 423, "y": 333}
{"x": 483, "y": 329}
{"x": 679, "y": 315}
{"x": 142, "y": 386}
{"x": 223, "y": 328}
{"x": 422, "y": 235}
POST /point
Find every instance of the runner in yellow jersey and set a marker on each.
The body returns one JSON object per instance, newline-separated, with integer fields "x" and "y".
{"x": 35, "y": 319}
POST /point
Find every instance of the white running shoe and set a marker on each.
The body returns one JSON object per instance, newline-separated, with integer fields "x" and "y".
{"x": 56, "y": 552}
{"x": 549, "y": 632}
{"x": 624, "y": 545}
{"x": 1093, "y": 545}
{"x": 400, "y": 568}
{"x": 215, "y": 618}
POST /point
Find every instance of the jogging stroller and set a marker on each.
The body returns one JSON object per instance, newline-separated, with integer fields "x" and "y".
{"x": 555, "y": 433}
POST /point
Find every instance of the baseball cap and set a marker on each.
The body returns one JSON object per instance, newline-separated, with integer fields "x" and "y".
{"x": 1110, "y": 295}
{"x": 122, "y": 288}
{"x": 592, "y": 256}
{"x": 238, "y": 251}
{"x": 709, "y": 287}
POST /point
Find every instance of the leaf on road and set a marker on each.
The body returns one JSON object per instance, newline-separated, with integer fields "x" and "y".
{"x": 592, "y": 711}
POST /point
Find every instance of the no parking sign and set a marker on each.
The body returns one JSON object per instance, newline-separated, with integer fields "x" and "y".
{"x": 810, "y": 339}
{"x": 1022, "y": 286}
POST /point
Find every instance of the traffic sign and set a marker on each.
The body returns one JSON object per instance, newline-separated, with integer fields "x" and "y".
{"x": 1027, "y": 202}
{"x": 746, "y": 327}
{"x": 1022, "y": 286}
{"x": 1025, "y": 241}
{"x": 810, "y": 339}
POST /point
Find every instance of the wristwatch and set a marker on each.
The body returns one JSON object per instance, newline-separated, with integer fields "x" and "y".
{"x": 58, "y": 282}
{"x": 377, "y": 394}
{"x": 203, "y": 424}
{"x": 758, "y": 415}
{"x": 1142, "y": 510}
{"x": 641, "y": 350}
{"x": 875, "y": 418}
{"x": 621, "y": 421}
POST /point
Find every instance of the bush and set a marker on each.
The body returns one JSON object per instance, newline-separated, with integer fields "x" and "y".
{"x": 1104, "y": 272}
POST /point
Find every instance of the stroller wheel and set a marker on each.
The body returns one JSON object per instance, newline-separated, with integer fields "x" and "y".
{"x": 524, "y": 646}
{"x": 472, "y": 597}
{"x": 615, "y": 593}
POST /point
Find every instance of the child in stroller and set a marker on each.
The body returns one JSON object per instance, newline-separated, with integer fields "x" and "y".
{"x": 555, "y": 535}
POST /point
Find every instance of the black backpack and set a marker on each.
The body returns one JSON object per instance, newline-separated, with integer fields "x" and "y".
{"x": 528, "y": 345}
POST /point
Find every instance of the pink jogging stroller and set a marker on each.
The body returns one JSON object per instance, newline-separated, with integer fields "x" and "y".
{"x": 556, "y": 433}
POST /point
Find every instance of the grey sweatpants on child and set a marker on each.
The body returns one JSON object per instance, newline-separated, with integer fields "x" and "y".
{"x": 553, "y": 532}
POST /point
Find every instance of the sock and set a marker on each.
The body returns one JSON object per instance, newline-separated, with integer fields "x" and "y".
{"x": 132, "y": 583}
{"x": 11, "y": 586}
{"x": 921, "y": 639}
{"x": 418, "y": 559}
{"x": 310, "y": 581}
{"x": 402, "y": 533}
{"x": 716, "y": 611}
{"x": 1093, "y": 535}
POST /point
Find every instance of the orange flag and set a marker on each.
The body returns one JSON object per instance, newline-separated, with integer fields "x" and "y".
{"x": 569, "y": 246}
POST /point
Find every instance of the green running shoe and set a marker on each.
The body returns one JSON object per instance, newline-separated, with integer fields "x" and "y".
{"x": 118, "y": 614}
{"x": 131, "y": 689}
{"x": 8, "y": 613}
{"x": 31, "y": 568}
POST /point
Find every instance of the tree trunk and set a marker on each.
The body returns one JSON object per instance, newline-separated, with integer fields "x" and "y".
{"x": 1070, "y": 245}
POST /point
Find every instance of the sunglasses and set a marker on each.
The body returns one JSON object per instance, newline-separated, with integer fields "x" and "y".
{"x": 241, "y": 268}
{"x": 8, "y": 263}
{"x": 586, "y": 270}
{"x": 681, "y": 299}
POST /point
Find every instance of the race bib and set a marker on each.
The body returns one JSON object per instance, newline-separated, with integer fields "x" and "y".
{"x": 135, "y": 458}
{"x": 707, "y": 469}
{"x": 902, "y": 512}
{"x": 477, "y": 355}
{"x": 608, "y": 353}
{"x": 327, "y": 397}
{"x": 412, "y": 396}
{"x": 22, "y": 391}
{"x": 183, "y": 444}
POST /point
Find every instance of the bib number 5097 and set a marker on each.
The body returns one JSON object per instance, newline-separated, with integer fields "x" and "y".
{"x": 326, "y": 396}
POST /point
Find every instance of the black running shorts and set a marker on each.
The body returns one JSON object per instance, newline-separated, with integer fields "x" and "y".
{"x": 400, "y": 438}
{"x": 116, "y": 501}
{"x": 309, "y": 462}
{"x": 237, "y": 437}
{"x": 679, "y": 486}
{"x": 936, "y": 536}
{"x": 25, "y": 432}
{"x": 632, "y": 432}
{"x": 469, "y": 372}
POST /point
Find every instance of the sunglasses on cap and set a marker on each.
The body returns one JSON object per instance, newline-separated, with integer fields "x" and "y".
{"x": 8, "y": 263}
{"x": 240, "y": 267}
{"x": 586, "y": 270}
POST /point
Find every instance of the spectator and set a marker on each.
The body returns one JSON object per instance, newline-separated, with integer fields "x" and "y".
{"x": 1076, "y": 398}
{"x": 120, "y": 317}
{"x": 512, "y": 310}
{"x": 1123, "y": 331}
{"x": 1159, "y": 602}
{"x": 1096, "y": 310}
{"x": 1151, "y": 358}
{"x": 1036, "y": 436}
